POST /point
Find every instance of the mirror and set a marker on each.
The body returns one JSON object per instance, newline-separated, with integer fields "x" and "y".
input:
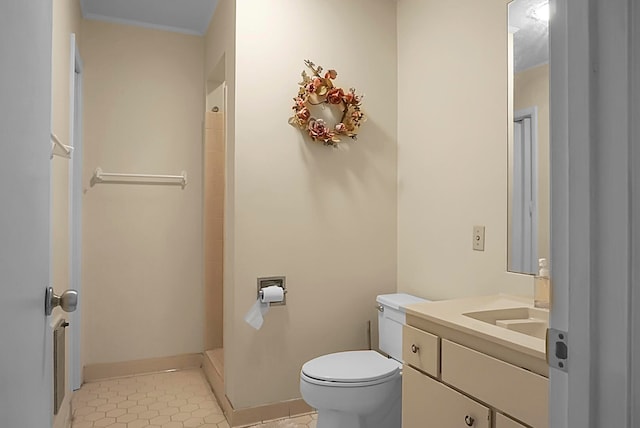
{"x": 528, "y": 143}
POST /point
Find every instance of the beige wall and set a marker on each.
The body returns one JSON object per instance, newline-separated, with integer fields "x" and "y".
{"x": 452, "y": 151}
{"x": 142, "y": 244}
{"x": 531, "y": 89}
{"x": 66, "y": 20}
{"x": 324, "y": 217}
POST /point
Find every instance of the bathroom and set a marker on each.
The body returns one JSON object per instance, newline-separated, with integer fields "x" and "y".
{"x": 386, "y": 213}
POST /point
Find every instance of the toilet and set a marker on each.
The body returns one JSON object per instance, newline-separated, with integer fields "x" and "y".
{"x": 361, "y": 389}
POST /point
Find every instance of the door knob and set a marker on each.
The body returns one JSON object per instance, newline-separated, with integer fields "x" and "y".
{"x": 68, "y": 301}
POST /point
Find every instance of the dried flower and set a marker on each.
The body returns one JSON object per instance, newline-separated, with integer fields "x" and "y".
{"x": 334, "y": 96}
{"x": 318, "y": 130}
{"x": 303, "y": 114}
{"x": 331, "y": 74}
{"x": 341, "y": 128}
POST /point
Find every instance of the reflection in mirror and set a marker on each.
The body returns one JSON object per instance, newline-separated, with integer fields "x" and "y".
{"x": 528, "y": 180}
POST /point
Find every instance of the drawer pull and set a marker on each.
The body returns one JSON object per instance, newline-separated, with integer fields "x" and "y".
{"x": 415, "y": 349}
{"x": 469, "y": 421}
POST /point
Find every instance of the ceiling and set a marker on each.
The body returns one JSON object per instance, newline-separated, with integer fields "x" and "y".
{"x": 183, "y": 16}
{"x": 531, "y": 41}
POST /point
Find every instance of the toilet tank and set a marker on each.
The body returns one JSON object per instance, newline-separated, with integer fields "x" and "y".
{"x": 391, "y": 318}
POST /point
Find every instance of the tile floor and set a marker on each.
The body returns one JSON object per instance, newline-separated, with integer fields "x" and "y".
{"x": 180, "y": 399}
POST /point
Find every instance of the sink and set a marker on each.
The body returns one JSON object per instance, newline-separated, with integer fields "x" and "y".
{"x": 530, "y": 321}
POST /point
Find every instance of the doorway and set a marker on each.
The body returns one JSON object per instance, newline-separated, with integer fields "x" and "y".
{"x": 524, "y": 215}
{"x": 213, "y": 217}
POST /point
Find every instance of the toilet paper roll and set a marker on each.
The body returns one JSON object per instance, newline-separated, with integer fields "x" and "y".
{"x": 271, "y": 294}
{"x": 255, "y": 316}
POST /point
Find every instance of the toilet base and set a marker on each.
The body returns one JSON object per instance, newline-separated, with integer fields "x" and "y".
{"x": 386, "y": 417}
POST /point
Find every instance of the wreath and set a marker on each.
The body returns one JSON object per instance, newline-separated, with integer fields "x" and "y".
{"x": 319, "y": 89}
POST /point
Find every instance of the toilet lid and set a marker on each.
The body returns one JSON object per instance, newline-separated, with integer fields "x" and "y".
{"x": 351, "y": 366}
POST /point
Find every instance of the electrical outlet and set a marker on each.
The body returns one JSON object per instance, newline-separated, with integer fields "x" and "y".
{"x": 478, "y": 238}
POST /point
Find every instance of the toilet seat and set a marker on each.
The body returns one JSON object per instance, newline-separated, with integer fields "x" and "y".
{"x": 350, "y": 369}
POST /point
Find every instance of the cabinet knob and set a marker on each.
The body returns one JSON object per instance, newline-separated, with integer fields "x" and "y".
{"x": 469, "y": 421}
{"x": 415, "y": 349}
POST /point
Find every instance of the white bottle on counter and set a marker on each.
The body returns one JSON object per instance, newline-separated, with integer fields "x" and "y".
{"x": 542, "y": 286}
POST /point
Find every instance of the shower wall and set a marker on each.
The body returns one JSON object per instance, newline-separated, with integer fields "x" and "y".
{"x": 142, "y": 244}
{"x": 214, "y": 152}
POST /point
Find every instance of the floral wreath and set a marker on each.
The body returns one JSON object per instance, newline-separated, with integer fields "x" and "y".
{"x": 320, "y": 90}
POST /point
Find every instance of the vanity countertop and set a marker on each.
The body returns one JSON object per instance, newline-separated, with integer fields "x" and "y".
{"x": 451, "y": 314}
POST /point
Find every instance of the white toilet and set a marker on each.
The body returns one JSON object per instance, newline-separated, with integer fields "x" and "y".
{"x": 361, "y": 389}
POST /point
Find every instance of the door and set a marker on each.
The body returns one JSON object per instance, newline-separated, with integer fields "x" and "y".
{"x": 595, "y": 209}
{"x": 26, "y": 390}
{"x": 524, "y": 215}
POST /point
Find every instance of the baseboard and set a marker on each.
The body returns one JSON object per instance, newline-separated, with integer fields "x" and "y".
{"x": 255, "y": 415}
{"x": 93, "y": 372}
{"x": 252, "y": 415}
{"x": 217, "y": 385}
{"x": 63, "y": 418}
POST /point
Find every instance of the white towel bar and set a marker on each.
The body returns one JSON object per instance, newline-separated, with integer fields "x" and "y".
{"x": 100, "y": 177}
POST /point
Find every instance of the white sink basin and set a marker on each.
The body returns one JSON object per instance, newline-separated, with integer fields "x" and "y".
{"x": 530, "y": 321}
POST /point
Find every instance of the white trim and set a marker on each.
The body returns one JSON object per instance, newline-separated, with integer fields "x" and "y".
{"x": 570, "y": 99}
{"x": 75, "y": 211}
{"x": 634, "y": 156}
{"x": 123, "y": 21}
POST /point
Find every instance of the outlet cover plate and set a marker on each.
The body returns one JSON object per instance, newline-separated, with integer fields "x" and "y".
{"x": 478, "y": 238}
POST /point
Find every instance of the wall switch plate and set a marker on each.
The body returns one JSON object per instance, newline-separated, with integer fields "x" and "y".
{"x": 478, "y": 238}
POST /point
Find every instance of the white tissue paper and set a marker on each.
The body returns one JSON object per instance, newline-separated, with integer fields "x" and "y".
{"x": 255, "y": 316}
{"x": 272, "y": 293}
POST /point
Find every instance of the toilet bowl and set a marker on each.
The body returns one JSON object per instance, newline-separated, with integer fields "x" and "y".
{"x": 361, "y": 389}
{"x": 356, "y": 389}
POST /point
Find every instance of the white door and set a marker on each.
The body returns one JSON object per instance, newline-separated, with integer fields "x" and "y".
{"x": 26, "y": 382}
{"x": 595, "y": 205}
{"x": 524, "y": 251}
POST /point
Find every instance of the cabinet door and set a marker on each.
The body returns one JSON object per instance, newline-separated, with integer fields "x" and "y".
{"x": 504, "y": 422}
{"x": 429, "y": 403}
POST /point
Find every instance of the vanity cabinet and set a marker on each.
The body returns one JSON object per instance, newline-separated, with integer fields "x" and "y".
{"x": 450, "y": 384}
{"x": 504, "y": 422}
{"x": 434, "y": 404}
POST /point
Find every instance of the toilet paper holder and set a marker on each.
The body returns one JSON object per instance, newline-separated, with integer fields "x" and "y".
{"x": 278, "y": 281}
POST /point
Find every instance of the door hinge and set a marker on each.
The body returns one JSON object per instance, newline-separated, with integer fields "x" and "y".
{"x": 557, "y": 349}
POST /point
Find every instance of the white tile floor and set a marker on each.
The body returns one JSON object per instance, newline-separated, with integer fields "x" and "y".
{"x": 180, "y": 399}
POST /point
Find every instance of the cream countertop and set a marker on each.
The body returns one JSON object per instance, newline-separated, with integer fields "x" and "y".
{"x": 450, "y": 313}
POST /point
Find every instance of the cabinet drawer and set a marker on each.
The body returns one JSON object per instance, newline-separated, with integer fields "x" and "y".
{"x": 429, "y": 403}
{"x": 508, "y": 388}
{"x": 421, "y": 350}
{"x": 504, "y": 422}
